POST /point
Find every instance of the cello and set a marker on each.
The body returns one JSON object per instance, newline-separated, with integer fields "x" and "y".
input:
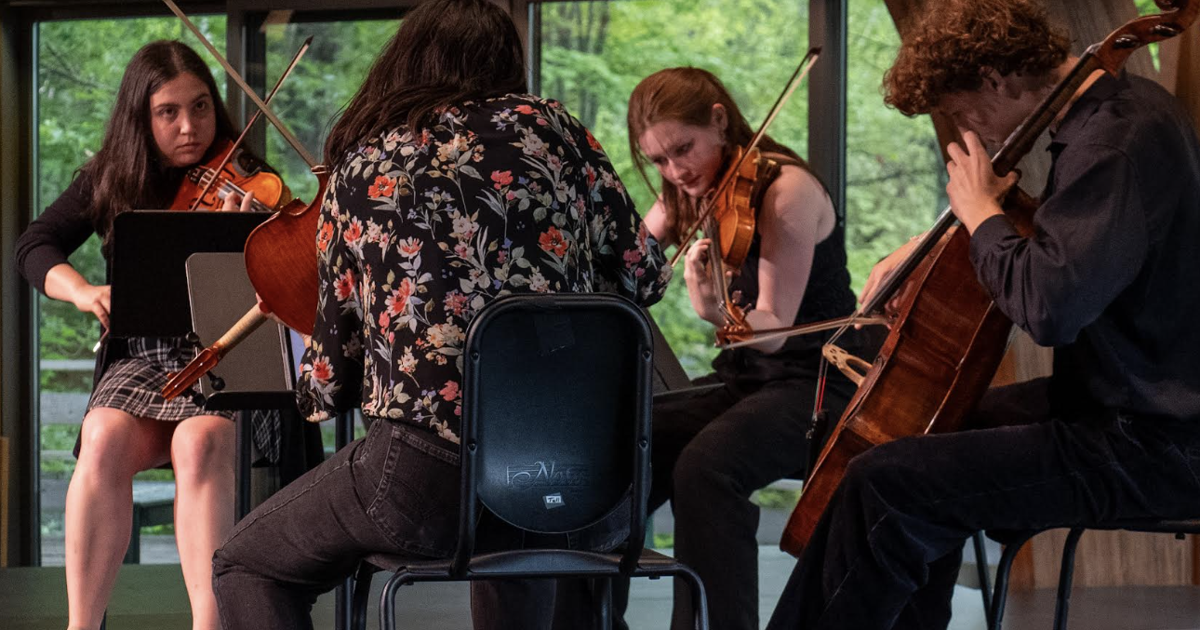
{"x": 947, "y": 336}
{"x": 281, "y": 259}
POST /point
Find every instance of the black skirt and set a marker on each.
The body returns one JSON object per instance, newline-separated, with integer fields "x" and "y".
{"x": 134, "y": 382}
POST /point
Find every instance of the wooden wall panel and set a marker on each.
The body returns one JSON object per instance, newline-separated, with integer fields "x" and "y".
{"x": 1181, "y": 69}
{"x": 1107, "y": 558}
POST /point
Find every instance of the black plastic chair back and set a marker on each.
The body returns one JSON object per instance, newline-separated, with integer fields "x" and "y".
{"x": 556, "y": 416}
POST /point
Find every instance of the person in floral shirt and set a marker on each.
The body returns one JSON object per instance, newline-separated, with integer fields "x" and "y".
{"x": 450, "y": 187}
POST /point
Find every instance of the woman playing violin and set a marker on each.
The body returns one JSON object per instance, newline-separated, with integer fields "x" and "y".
{"x": 167, "y": 118}
{"x": 712, "y": 450}
{"x": 1106, "y": 279}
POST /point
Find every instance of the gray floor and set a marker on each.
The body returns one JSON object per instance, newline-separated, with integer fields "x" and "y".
{"x": 427, "y": 606}
{"x": 151, "y": 597}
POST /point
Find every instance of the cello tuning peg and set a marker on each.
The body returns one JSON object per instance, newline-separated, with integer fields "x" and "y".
{"x": 198, "y": 399}
{"x": 192, "y": 338}
{"x": 217, "y": 382}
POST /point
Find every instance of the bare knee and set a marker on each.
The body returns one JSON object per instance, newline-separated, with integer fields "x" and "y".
{"x": 114, "y": 443}
{"x": 202, "y": 447}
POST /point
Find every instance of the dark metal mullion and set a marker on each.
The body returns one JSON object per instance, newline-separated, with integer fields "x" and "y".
{"x": 18, "y": 339}
{"x": 533, "y": 39}
{"x": 246, "y": 49}
{"x": 827, "y": 99}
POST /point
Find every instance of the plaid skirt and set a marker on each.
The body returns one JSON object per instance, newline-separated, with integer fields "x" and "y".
{"x": 134, "y": 383}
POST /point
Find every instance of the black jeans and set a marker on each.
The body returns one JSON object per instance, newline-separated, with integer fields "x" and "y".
{"x": 709, "y": 453}
{"x": 387, "y": 492}
{"x": 885, "y": 553}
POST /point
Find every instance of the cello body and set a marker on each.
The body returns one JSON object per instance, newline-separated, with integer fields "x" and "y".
{"x": 281, "y": 261}
{"x": 938, "y": 360}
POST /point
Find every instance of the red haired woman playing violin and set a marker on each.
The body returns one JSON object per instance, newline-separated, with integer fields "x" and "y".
{"x": 712, "y": 450}
{"x": 167, "y": 118}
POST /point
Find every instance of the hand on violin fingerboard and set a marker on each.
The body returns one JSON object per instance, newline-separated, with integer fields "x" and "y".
{"x": 702, "y": 291}
{"x": 234, "y": 204}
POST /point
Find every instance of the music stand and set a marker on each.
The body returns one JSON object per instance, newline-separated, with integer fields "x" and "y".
{"x": 668, "y": 374}
{"x": 256, "y": 372}
{"x": 148, "y": 276}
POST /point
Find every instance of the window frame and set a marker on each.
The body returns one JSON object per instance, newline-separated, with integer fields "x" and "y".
{"x": 246, "y": 48}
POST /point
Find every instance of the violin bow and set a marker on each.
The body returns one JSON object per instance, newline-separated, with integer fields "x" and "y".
{"x": 253, "y": 119}
{"x": 794, "y": 82}
{"x": 241, "y": 83}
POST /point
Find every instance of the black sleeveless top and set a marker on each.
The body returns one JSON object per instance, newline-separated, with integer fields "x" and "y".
{"x": 826, "y": 296}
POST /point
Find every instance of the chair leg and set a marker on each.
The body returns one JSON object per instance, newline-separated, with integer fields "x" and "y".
{"x": 360, "y": 595}
{"x": 602, "y": 596}
{"x": 981, "y": 566}
{"x": 996, "y": 614}
{"x": 1065, "y": 576}
{"x": 343, "y": 607}
{"x": 387, "y": 600}
{"x": 699, "y": 598}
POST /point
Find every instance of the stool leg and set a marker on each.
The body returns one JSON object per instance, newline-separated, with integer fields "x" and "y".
{"x": 1065, "y": 576}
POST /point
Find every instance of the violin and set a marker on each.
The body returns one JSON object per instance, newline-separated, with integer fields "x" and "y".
{"x": 728, "y": 218}
{"x": 207, "y": 185}
{"x": 731, "y": 227}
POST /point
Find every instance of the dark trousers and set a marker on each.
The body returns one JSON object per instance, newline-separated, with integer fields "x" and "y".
{"x": 709, "y": 453}
{"x": 382, "y": 493}
{"x": 886, "y": 551}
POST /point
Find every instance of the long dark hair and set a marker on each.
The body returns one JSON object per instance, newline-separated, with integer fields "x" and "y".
{"x": 126, "y": 172}
{"x": 687, "y": 95}
{"x": 445, "y": 52}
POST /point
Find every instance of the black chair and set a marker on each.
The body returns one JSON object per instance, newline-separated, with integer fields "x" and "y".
{"x": 1014, "y": 542}
{"x": 556, "y": 436}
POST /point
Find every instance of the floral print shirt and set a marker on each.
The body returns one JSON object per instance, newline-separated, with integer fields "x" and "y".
{"x": 418, "y": 231}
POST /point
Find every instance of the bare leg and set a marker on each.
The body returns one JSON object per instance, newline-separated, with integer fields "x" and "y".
{"x": 99, "y": 510}
{"x": 202, "y": 452}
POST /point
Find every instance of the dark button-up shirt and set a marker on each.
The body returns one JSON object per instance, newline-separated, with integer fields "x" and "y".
{"x": 1111, "y": 277}
{"x": 419, "y": 231}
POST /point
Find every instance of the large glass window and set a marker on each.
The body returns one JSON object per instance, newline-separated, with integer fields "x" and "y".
{"x": 79, "y": 67}
{"x": 895, "y": 177}
{"x": 594, "y": 53}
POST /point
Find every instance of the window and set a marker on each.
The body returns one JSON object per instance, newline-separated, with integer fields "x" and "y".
{"x": 79, "y": 67}
{"x": 319, "y": 88}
